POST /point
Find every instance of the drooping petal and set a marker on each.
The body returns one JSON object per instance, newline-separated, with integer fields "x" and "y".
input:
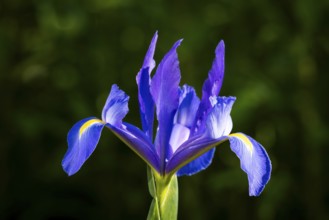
{"x": 116, "y": 106}
{"x": 137, "y": 141}
{"x": 198, "y": 164}
{"x": 219, "y": 122}
{"x": 189, "y": 151}
{"x": 211, "y": 86}
{"x": 254, "y": 161}
{"x": 144, "y": 96}
{"x": 82, "y": 140}
{"x": 165, "y": 93}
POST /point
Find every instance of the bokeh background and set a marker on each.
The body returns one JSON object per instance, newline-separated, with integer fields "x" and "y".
{"x": 58, "y": 60}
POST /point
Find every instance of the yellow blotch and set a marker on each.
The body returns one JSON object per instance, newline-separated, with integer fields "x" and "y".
{"x": 245, "y": 140}
{"x": 87, "y": 124}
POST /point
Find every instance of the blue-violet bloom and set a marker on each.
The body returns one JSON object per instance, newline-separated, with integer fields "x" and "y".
{"x": 188, "y": 128}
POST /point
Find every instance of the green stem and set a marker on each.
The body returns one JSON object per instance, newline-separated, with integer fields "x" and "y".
{"x": 164, "y": 190}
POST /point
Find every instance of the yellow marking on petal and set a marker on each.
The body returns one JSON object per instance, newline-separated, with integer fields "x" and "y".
{"x": 245, "y": 140}
{"x": 87, "y": 124}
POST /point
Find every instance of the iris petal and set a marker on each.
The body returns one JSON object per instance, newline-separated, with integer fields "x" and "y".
{"x": 253, "y": 157}
{"x": 190, "y": 150}
{"x": 184, "y": 119}
{"x": 198, "y": 164}
{"x": 144, "y": 96}
{"x": 137, "y": 141}
{"x": 116, "y": 106}
{"x": 219, "y": 122}
{"x": 211, "y": 87}
{"x": 254, "y": 161}
{"x": 82, "y": 140}
{"x": 164, "y": 90}
{"x": 213, "y": 84}
{"x": 148, "y": 60}
{"x": 188, "y": 106}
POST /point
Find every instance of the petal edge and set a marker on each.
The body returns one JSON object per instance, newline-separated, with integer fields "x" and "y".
{"x": 254, "y": 161}
{"x": 82, "y": 140}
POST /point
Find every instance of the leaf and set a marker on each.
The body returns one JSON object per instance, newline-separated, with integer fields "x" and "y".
{"x": 164, "y": 190}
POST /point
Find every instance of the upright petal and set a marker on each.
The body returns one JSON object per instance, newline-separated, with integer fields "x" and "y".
{"x": 188, "y": 106}
{"x": 148, "y": 60}
{"x": 254, "y": 161}
{"x": 211, "y": 86}
{"x": 165, "y": 93}
{"x": 144, "y": 96}
{"x": 116, "y": 106}
{"x": 219, "y": 122}
{"x": 82, "y": 140}
{"x": 184, "y": 117}
{"x": 138, "y": 142}
{"x": 183, "y": 122}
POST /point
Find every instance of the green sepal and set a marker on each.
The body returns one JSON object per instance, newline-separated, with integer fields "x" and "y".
{"x": 164, "y": 190}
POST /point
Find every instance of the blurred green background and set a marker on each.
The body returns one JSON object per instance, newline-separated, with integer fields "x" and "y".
{"x": 58, "y": 60}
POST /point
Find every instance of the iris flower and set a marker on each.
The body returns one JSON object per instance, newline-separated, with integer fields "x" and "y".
{"x": 187, "y": 130}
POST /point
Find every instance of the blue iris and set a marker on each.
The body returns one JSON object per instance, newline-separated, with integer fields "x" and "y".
{"x": 188, "y": 128}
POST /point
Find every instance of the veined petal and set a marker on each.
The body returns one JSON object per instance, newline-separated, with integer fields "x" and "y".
{"x": 148, "y": 60}
{"x": 165, "y": 93}
{"x": 254, "y": 161}
{"x": 218, "y": 124}
{"x": 146, "y": 104}
{"x": 211, "y": 86}
{"x": 143, "y": 80}
{"x": 189, "y": 151}
{"x": 219, "y": 121}
{"x": 198, "y": 164}
{"x": 116, "y": 106}
{"x": 188, "y": 106}
{"x": 82, "y": 140}
{"x": 184, "y": 117}
{"x": 138, "y": 142}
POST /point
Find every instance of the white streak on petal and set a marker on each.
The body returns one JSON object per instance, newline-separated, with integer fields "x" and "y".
{"x": 178, "y": 136}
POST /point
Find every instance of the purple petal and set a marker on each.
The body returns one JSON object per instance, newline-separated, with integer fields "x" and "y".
{"x": 116, "y": 106}
{"x": 146, "y": 104}
{"x": 254, "y": 161}
{"x": 188, "y": 106}
{"x": 219, "y": 122}
{"x": 136, "y": 140}
{"x": 82, "y": 140}
{"x": 198, "y": 164}
{"x": 190, "y": 150}
{"x": 165, "y": 93}
{"x": 211, "y": 86}
{"x": 144, "y": 96}
{"x": 148, "y": 60}
{"x": 184, "y": 119}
